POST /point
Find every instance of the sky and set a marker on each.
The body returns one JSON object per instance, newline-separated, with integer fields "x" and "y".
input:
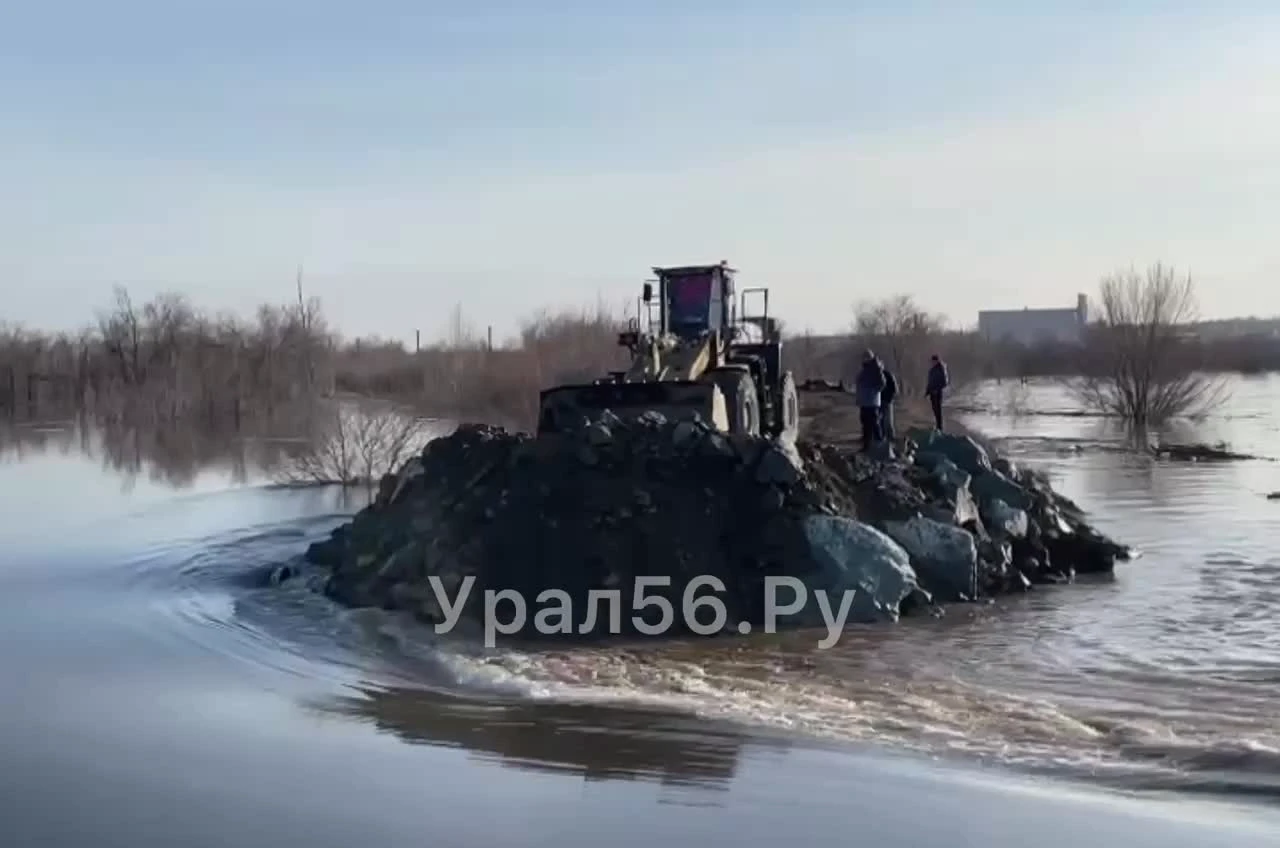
{"x": 506, "y": 157}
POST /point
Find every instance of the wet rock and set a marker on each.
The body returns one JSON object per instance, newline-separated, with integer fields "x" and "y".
{"x": 1084, "y": 551}
{"x": 955, "y": 503}
{"x": 1007, "y": 467}
{"x": 929, "y": 460}
{"x": 960, "y": 510}
{"x": 780, "y": 464}
{"x": 652, "y": 419}
{"x": 949, "y": 474}
{"x": 944, "y": 556}
{"x": 961, "y": 450}
{"x": 1052, "y": 522}
{"x": 685, "y": 432}
{"x": 1029, "y": 555}
{"x": 996, "y": 557}
{"x": 327, "y": 553}
{"x": 281, "y": 573}
{"x": 1004, "y": 521}
{"x": 854, "y": 558}
{"x": 992, "y": 485}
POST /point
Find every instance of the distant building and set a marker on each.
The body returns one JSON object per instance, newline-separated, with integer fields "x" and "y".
{"x": 1030, "y": 326}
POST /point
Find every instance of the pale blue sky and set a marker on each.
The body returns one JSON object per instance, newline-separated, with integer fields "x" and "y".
{"x": 412, "y": 155}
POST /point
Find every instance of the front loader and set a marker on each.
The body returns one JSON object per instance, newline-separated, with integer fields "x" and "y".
{"x": 695, "y": 354}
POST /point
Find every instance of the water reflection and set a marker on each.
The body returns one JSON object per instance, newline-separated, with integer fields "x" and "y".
{"x": 303, "y": 443}
{"x": 596, "y": 741}
{"x": 165, "y": 454}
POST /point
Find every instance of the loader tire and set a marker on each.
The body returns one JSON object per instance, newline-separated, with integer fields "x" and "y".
{"x": 741, "y": 401}
{"x": 788, "y": 409}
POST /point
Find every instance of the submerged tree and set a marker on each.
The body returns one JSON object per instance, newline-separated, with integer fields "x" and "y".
{"x": 359, "y": 442}
{"x": 1144, "y": 365}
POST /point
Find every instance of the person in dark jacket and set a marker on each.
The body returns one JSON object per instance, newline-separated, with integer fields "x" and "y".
{"x": 935, "y": 385}
{"x": 887, "y": 397}
{"x": 867, "y": 389}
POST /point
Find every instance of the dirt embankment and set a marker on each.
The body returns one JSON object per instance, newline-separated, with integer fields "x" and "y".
{"x": 677, "y": 508}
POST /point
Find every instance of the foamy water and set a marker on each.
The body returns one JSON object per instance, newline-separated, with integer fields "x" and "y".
{"x": 1163, "y": 677}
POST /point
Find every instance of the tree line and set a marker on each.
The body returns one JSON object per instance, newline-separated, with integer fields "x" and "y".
{"x": 168, "y": 360}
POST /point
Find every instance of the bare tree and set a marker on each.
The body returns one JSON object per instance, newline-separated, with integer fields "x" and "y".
{"x": 901, "y": 332}
{"x": 121, "y": 331}
{"x": 1144, "y": 363}
{"x": 359, "y": 444}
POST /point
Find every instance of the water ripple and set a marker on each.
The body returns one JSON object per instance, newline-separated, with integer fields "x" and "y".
{"x": 1163, "y": 677}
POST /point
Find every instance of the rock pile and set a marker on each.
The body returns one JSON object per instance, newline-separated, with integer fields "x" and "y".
{"x": 582, "y": 513}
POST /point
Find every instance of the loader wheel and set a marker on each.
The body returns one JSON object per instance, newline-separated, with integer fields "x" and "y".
{"x": 741, "y": 401}
{"x": 789, "y": 409}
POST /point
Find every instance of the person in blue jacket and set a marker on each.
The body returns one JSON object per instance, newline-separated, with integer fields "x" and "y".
{"x": 867, "y": 389}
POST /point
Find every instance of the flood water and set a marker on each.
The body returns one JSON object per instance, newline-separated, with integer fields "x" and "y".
{"x": 157, "y": 692}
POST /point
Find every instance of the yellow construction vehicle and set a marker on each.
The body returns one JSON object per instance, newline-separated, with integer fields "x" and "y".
{"x": 695, "y": 352}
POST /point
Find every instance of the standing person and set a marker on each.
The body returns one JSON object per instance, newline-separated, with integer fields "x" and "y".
{"x": 937, "y": 382}
{"x": 886, "y": 405}
{"x": 867, "y": 390}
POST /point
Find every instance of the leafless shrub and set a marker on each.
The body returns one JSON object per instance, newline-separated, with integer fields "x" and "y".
{"x": 1146, "y": 367}
{"x": 358, "y": 444}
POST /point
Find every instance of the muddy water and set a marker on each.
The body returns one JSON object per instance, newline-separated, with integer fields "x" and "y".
{"x": 156, "y": 691}
{"x": 1164, "y": 677}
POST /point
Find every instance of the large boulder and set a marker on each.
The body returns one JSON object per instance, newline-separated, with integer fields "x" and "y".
{"x": 948, "y": 474}
{"x": 945, "y": 557}
{"x": 992, "y": 485}
{"x": 1084, "y": 550}
{"x": 961, "y": 450}
{"x": 859, "y": 560}
{"x": 954, "y": 503}
{"x": 779, "y": 463}
{"x": 1004, "y": 521}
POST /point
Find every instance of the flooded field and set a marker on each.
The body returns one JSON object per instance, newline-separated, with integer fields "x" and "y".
{"x": 162, "y": 690}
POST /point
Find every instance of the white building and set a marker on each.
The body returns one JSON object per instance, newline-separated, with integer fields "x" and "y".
{"x": 1031, "y": 326}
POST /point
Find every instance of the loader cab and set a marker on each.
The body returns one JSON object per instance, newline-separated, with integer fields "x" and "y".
{"x": 694, "y": 300}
